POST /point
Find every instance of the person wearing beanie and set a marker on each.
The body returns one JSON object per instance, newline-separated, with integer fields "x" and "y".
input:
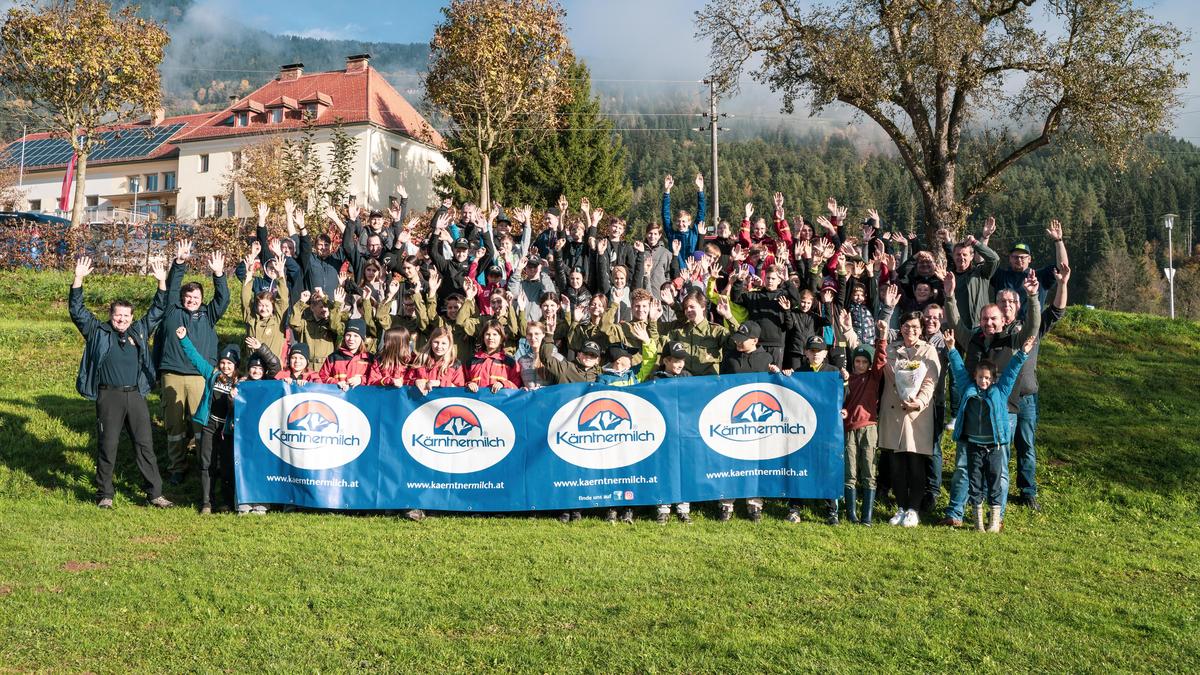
{"x": 318, "y": 324}
{"x": 299, "y": 366}
{"x": 262, "y": 364}
{"x": 215, "y": 417}
{"x": 350, "y": 364}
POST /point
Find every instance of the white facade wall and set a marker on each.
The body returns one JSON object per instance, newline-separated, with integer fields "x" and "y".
{"x": 103, "y": 180}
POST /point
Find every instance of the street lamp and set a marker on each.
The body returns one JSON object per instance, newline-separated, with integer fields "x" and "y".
{"x": 133, "y": 185}
{"x": 1169, "y": 270}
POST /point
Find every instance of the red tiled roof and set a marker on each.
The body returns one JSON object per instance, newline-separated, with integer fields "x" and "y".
{"x": 353, "y": 97}
{"x": 168, "y": 149}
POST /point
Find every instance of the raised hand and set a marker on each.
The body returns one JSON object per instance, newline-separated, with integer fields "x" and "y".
{"x": 585, "y": 205}
{"x": 158, "y": 269}
{"x": 1028, "y": 346}
{"x": 989, "y": 227}
{"x": 970, "y": 240}
{"x": 394, "y": 211}
{"x": 844, "y": 320}
{"x": 832, "y": 205}
{"x": 949, "y": 283}
{"x": 723, "y": 308}
{"x": 276, "y": 249}
{"x": 304, "y": 296}
{"x": 891, "y": 295}
{"x": 183, "y": 250}
{"x": 1031, "y": 283}
{"x": 494, "y": 213}
{"x": 255, "y": 250}
{"x": 648, "y": 265}
{"x": 435, "y": 281}
{"x": 943, "y": 235}
{"x": 778, "y": 200}
{"x": 668, "y": 183}
{"x": 948, "y": 338}
{"x": 83, "y": 267}
{"x": 785, "y": 303}
{"x": 597, "y": 216}
{"x": 181, "y": 332}
{"x": 602, "y": 246}
{"x": 339, "y": 295}
{"x": 562, "y": 205}
{"x": 749, "y": 210}
{"x": 252, "y": 343}
{"x": 676, "y": 246}
{"x": 470, "y": 289}
{"x": 699, "y": 182}
{"x": 289, "y": 207}
{"x": 881, "y": 328}
{"x": 639, "y": 331}
{"x": 939, "y": 271}
{"x": 352, "y": 209}
{"x": 216, "y": 263}
{"x": 874, "y": 215}
{"x": 1062, "y": 273}
{"x": 263, "y": 212}
{"x": 1055, "y": 231}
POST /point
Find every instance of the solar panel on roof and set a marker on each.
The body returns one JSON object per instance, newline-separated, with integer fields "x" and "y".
{"x": 121, "y": 144}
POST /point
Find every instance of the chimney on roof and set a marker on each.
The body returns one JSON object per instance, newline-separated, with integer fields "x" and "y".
{"x": 357, "y": 63}
{"x": 291, "y": 71}
{"x": 157, "y": 117}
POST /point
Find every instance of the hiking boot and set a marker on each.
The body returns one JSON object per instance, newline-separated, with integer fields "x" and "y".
{"x": 995, "y": 525}
{"x": 685, "y": 518}
{"x": 205, "y": 510}
{"x": 726, "y": 515}
{"x": 663, "y": 517}
{"x": 161, "y": 502}
{"x": 627, "y": 517}
{"x": 755, "y": 513}
{"x": 415, "y": 515}
{"x": 1032, "y": 503}
{"x": 831, "y": 512}
{"x": 793, "y": 516}
{"x": 611, "y": 516}
{"x": 105, "y": 503}
{"x": 977, "y": 511}
{"x": 576, "y": 515}
{"x": 950, "y": 522}
{"x": 564, "y": 517}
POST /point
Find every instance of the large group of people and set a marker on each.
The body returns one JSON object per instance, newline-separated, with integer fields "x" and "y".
{"x": 926, "y": 339}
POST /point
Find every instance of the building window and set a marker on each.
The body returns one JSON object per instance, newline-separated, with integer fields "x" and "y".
{"x": 237, "y": 159}
{"x": 241, "y": 119}
{"x": 150, "y": 183}
{"x": 310, "y": 109}
{"x": 203, "y": 163}
{"x": 231, "y": 205}
{"x": 169, "y": 180}
{"x": 200, "y": 207}
{"x": 394, "y": 158}
{"x": 93, "y": 201}
{"x": 218, "y": 206}
{"x": 35, "y": 205}
{"x": 134, "y": 184}
{"x": 277, "y": 115}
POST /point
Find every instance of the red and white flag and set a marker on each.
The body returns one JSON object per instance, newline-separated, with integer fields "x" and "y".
{"x": 64, "y": 197}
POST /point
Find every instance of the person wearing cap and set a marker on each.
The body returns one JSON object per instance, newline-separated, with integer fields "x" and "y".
{"x": 770, "y": 307}
{"x": 493, "y": 281}
{"x": 528, "y": 285}
{"x": 350, "y": 364}
{"x": 671, "y": 361}
{"x": 747, "y": 356}
{"x": 299, "y": 367}
{"x": 263, "y": 312}
{"x": 402, "y": 307}
{"x": 262, "y": 364}
{"x": 816, "y": 360}
{"x": 619, "y": 372}
{"x": 215, "y": 417}
{"x": 117, "y": 372}
{"x": 318, "y": 324}
{"x": 585, "y": 367}
{"x": 1020, "y": 258}
{"x": 546, "y": 242}
{"x": 182, "y": 384}
{"x": 860, "y": 422}
{"x": 455, "y": 269}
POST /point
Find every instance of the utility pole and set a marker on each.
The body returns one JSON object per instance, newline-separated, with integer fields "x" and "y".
{"x": 712, "y": 116}
{"x": 1169, "y": 223}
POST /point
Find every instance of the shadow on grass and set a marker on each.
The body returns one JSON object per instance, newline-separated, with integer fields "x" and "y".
{"x": 32, "y": 448}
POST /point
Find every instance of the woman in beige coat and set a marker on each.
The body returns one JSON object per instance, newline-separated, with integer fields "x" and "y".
{"x": 906, "y": 427}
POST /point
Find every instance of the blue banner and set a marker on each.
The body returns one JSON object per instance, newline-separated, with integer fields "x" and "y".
{"x": 566, "y": 447}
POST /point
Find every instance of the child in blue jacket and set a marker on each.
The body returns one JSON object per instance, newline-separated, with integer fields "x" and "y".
{"x": 981, "y": 426}
{"x": 215, "y": 418}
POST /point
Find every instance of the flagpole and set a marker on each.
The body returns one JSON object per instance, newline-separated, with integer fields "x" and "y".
{"x": 21, "y": 171}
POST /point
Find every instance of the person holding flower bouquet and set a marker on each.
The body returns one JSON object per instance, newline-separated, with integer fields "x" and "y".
{"x": 906, "y": 424}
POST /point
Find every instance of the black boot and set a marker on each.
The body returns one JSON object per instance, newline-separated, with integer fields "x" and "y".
{"x": 831, "y": 512}
{"x": 868, "y": 506}
{"x": 851, "y": 495}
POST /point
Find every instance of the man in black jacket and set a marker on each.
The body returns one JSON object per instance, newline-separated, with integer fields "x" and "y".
{"x": 117, "y": 372}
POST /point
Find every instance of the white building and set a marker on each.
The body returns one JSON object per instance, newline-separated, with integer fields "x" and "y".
{"x": 177, "y": 166}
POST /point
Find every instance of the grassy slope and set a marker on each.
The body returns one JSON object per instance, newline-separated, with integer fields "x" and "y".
{"x": 1106, "y": 578}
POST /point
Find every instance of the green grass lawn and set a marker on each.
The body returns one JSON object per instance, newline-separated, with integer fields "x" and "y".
{"x": 1104, "y": 579}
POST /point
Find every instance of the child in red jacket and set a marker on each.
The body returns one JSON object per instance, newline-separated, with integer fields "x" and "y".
{"x": 492, "y": 368}
{"x": 438, "y": 365}
{"x": 298, "y": 370}
{"x": 349, "y": 365}
{"x": 860, "y": 419}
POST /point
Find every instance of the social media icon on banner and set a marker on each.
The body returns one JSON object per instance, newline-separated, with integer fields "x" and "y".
{"x": 314, "y": 431}
{"x": 458, "y": 435}
{"x": 606, "y": 430}
{"x": 758, "y": 421}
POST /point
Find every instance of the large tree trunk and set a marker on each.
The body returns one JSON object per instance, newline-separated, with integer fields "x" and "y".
{"x": 485, "y": 182}
{"x": 80, "y": 199}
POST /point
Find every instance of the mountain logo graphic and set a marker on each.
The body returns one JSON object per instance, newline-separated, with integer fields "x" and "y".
{"x": 313, "y": 416}
{"x": 604, "y": 414}
{"x": 456, "y": 420}
{"x": 756, "y": 406}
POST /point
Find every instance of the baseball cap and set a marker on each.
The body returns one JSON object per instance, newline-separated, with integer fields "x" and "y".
{"x": 676, "y": 350}
{"x": 617, "y": 351}
{"x": 495, "y": 270}
{"x": 590, "y": 347}
{"x": 1021, "y": 248}
{"x": 749, "y": 330}
{"x": 533, "y": 261}
{"x": 816, "y": 343}
{"x": 461, "y": 243}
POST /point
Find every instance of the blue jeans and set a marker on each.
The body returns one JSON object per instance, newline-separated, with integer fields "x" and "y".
{"x": 1024, "y": 424}
{"x": 959, "y": 482}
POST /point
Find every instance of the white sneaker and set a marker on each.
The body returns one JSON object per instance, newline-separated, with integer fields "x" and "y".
{"x": 911, "y": 519}
{"x": 259, "y": 510}
{"x": 898, "y": 518}
{"x": 950, "y": 424}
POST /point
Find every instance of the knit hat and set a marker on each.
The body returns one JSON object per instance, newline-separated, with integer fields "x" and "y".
{"x": 864, "y": 351}
{"x": 300, "y": 348}
{"x": 231, "y": 353}
{"x": 617, "y": 351}
{"x": 356, "y": 326}
{"x": 255, "y": 360}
